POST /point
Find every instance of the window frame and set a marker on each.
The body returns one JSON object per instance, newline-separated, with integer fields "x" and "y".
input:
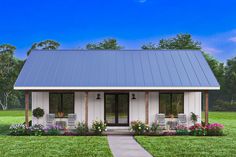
{"x": 61, "y": 95}
{"x": 171, "y": 95}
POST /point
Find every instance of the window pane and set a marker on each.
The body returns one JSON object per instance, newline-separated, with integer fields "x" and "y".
{"x": 123, "y": 108}
{"x": 177, "y": 104}
{"x": 110, "y": 108}
{"x": 165, "y": 104}
{"x": 54, "y": 103}
{"x": 68, "y": 104}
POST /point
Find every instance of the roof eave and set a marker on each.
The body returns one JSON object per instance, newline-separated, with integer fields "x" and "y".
{"x": 114, "y": 88}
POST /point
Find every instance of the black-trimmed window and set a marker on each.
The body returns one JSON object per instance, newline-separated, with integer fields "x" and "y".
{"x": 61, "y": 102}
{"x": 171, "y": 103}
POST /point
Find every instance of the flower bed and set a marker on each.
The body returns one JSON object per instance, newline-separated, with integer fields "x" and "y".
{"x": 98, "y": 127}
{"x": 215, "y": 129}
{"x": 182, "y": 130}
{"x": 82, "y": 129}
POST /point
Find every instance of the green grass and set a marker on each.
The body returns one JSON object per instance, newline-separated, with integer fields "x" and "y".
{"x": 10, "y": 117}
{"x": 196, "y": 146}
{"x": 13, "y": 113}
{"x": 54, "y": 146}
{"x": 33, "y": 146}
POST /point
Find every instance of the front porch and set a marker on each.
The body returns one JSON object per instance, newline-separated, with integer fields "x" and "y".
{"x": 93, "y": 105}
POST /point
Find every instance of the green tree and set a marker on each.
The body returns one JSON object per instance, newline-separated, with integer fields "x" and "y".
{"x": 44, "y": 45}
{"x": 230, "y": 79}
{"x": 217, "y": 67}
{"x": 107, "y": 44}
{"x": 181, "y": 41}
{"x": 9, "y": 70}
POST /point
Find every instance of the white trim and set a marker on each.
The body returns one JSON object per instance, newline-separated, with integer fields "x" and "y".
{"x": 116, "y": 88}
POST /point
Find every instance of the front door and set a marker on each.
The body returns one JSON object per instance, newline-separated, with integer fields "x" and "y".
{"x": 117, "y": 109}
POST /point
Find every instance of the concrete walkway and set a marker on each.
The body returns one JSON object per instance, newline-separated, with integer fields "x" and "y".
{"x": 126, "y": 146}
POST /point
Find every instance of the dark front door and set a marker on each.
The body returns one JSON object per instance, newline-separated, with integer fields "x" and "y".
{"x": 117, "y": 109}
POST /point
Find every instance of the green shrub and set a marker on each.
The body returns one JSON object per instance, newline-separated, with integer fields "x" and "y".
{"x": 194, "y": 117}
{"x": 18, "y": 130}
{"x": 138, "y": 127}
{"x": 36, "y": 130}
{"x": 197, "y": 130}
{"x": 82, "y": 128}
{"x": 98, "y": 127}
{"x": 38, "y": 112}
{"x": 53, "y": 130}
{"x": 155, "y": 128}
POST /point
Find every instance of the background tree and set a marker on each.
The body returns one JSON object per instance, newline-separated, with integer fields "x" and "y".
{"x": 181, "y": 41}
{"x": 107, "y": 44}
{"x": 9, "y": 70}
{"x": 44, "y": 45}
{"x": 230, "y": 80}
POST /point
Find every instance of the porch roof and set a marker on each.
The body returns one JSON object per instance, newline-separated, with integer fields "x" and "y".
{"x": 116, "y": 70}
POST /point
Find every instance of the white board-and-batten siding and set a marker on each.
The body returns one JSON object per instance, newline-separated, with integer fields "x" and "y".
{"x": 40, "y": 99}
{"x": 192, "y": 103}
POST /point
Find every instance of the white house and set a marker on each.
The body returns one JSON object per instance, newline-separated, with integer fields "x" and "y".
{"x": 116, "y": 86}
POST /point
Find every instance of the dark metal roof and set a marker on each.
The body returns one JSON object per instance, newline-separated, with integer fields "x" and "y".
{"x": 116, "y": 68}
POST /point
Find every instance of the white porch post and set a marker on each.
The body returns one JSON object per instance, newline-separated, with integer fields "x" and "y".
{"x": 86, "y": 108}
{"x": 147, "y": 107}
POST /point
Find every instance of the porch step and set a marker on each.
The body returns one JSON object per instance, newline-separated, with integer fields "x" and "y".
{"x": 118, "y": 131}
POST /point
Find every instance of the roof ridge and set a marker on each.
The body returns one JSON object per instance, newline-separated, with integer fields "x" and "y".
{"x": 118, "y": 50}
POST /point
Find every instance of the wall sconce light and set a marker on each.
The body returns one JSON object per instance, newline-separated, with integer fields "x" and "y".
{"x": 98, "y": 97}
{"x": 133, "y": 96}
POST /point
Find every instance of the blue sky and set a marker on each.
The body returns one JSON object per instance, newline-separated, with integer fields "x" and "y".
{"x": 74, "y": 23}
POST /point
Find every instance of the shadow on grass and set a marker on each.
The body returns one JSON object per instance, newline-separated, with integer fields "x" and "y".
{"x": 4, "y": 129}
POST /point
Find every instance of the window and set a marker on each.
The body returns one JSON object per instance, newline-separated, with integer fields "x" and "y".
{"x": 171, "y": 104}
{"x": 61, "y": 102}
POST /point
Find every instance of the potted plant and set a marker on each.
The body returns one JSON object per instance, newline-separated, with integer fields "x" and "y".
{"x": 38, "y": 113}
{"x": 60, "y": 114}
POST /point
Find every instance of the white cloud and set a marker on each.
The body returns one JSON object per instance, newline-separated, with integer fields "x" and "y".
{"x": 233, "y": 39}
{"x": 220, "y": 45}
{"x": 211, "y": 50}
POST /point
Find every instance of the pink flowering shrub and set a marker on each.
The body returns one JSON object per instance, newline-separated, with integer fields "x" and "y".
{"x": 197, "y": 130}
{"x": 181, "y": 130}
{"x": 215, "y": 129}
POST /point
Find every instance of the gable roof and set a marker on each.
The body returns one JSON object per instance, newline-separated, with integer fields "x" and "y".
{"x": 116, "y": 69}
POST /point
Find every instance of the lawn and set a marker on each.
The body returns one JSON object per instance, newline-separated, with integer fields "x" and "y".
{"x": 196, "y": 146}
{"x": 10, "y": 117}
{"x": 21, "y": 146}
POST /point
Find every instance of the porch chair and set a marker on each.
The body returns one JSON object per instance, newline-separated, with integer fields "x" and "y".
{"x": 161, "y": 120}
{"x": 182, "y": 119}
{"x": 50, "y": 119}
{"x": 71, "y": 120}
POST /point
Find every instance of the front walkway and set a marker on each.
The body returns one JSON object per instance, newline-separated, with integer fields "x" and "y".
{"x": 126, "y": 146}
